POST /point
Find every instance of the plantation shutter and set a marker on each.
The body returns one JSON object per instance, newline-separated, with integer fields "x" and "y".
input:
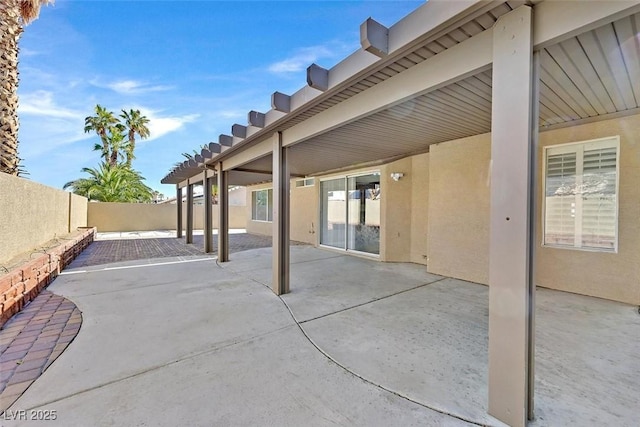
{"x": 581, "y": 205}
{"x": 560, "y": 203}
{"x": 599, "y": 198}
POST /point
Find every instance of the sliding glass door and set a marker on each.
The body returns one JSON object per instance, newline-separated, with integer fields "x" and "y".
{"x": 350, "y": 212}
{"x": 333, "y": 213}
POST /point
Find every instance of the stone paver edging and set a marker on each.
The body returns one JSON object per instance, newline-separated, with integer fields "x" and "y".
{"x": 24, "y": 283}
{"x": 32, "y": 340}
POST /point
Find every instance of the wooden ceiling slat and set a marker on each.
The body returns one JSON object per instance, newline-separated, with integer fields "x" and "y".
{"x": 592, "y": 45}
{"x": 458, "y": 35}
{"x": 408, "y": 61}
{"x": 573, "y": 72}
{"x": 500, "y": 10}
{"x": 556, "y": 104}
{"x": 472, "y": 115}
{"x": 458, "y": 106}
{"x": 415, "y": 58}
{"x": 435, "y": 47}
{"x": 550, "y": 118}
{"x": 575, "y": 51}
{"x": 468, "y": 96}
{"x": 397, "y": 67}
{"x": 486, "y": 21}
{"x": 445, "y": 116}
{"x": 446, "y": 41}
{"x": 555, "y": 77}
{"x": 424, "y": 53}
{"x": 472, "y": 28}
{"x": 627, "y": 31}
{"x": 486, "y": 77}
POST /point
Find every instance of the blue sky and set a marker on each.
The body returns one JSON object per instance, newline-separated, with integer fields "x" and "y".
{"x": 193, "y": 67}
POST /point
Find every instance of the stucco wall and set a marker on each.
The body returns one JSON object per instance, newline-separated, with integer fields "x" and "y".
{"x": 32, "y": 214}
{"x": 131, "y": 216}
{"x": 458, "y": 226}
{"x": 613, "y": 276}
{"x": 395, "y": 215}
{"x": 305, "y": 212}
{"x": 419, "y": 208}
{"x": 257, "y": 227}
{"x": 146, "y": 216}
{"x": 441, "y": 209}
{"x": 458, "y": 235}
{"x": 77, "y": 211}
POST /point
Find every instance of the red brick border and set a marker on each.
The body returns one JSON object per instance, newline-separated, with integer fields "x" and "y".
{"x": 25, "y": 282}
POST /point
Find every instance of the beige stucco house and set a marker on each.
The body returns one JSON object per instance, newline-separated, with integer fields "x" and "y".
{"x": 492, "y": 141}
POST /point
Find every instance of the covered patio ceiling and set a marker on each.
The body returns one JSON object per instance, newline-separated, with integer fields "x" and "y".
{"x": 591, "y": 76}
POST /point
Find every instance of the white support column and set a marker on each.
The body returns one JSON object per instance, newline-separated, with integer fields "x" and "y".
{"x": 510, "y": 288}
{"x": 189, "y": 238}
{"x": 223, "y": 217}
{"x": 178, "y": 212}
{"x": 207, "y": 183}
{"x": 280, "y": 269}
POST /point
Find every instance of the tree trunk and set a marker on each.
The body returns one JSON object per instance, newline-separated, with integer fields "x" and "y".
{"x": 113, "y": 160}
{"x": 10, "y": 30}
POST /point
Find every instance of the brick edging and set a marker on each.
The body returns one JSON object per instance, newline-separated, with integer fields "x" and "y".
{"x": 24, "y": 283}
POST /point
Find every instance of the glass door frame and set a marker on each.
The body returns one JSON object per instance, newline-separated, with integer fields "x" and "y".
{"x": 346, "y": 212}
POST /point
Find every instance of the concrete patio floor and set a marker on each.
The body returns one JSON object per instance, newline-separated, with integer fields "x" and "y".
{"x": 184, "y": 341}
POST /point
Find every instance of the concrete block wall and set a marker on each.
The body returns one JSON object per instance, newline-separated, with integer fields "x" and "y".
{"x": 32, "y": 214}
{"x": 25, "y": 282}
{"x": 147, "y": 217}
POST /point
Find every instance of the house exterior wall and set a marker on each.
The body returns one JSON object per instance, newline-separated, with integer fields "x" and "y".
{"x": 33, "y": 214}
{"x": 264, "y": 228}
{"x": 438, "y": 214}
{"x": 395, "y": 215}
{"x": 614, "y": 276}
{"x": 459, "y": 216}
{"x": 305, "y": 210}
{"x": 419, "y": 208}
{"x": 458, "y": 226}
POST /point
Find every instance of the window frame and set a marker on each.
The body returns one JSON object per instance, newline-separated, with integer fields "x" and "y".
{"x": 572, "y": 147}
{"x": 269, "y": 205}
{"x": 305, "y": 182}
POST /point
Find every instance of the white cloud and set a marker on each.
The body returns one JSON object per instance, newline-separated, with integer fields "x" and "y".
{"x": 128, "y": 87}
{"x": 41, "y": 103}
{"x": 231, "y": 114}
{"x": 160, "y": 126}
{"x": 29, "y": 52}
{"x": 304, "y": 57}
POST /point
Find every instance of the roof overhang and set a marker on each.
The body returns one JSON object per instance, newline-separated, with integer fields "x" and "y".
{"x": 433, "y": 84}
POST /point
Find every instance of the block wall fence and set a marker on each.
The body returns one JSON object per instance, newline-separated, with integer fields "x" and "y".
{"x": 32, "y": 214}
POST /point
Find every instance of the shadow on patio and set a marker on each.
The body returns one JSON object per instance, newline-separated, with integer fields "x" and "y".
{"x": 162, "y": 343}
{"x": 135, "y": 246}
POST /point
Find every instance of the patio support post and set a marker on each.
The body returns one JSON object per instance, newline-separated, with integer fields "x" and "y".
{"x": 280, "y": 269}
{"x": 223, "y": 217}
{"x": 510, "y": 286}
{"x": 207, "y": 182}
{"x": 189, "y": 213}
{"x": 178, "y": 211}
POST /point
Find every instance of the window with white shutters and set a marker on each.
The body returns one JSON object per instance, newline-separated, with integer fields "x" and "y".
{"x": 262, "y": 205}
{"x": 581, "y": 195}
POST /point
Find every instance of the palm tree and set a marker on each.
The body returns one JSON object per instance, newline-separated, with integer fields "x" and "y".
{"x": 117, "y": 144}
{"x": 112, "y": 184}
{"x": 101, "y": 123}
{"x": 136, "y": 123}
{"x": 14, "y": 14}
